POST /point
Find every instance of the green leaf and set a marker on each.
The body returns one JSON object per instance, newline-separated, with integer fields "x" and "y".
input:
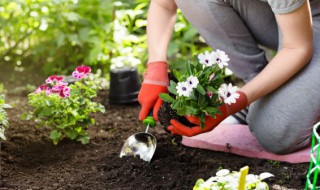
{"x": 45, "y": 112}
{"x": 202, "y": 120}
{"x": 55, "y": 136}
{"x": 166, "y": 97}
{"x": 174, "y": 105}
{"x": 177, "y": 74}
{"x": 84, "y": 139}
{"x": 211, "y": 89}
{"x": 71, "y": 134}
{"x": 191, "y": 110}
{"x": 60, "y": 38}
{"x": 49, "y": 102}
{"x": 172, "y": 89}
{"x": 211, "y": 110}
{"x": 201, "y": 89}
{"x": 189, "y": 69}
{"x": 72, "y": 16}
{"x": 201, "y": 101}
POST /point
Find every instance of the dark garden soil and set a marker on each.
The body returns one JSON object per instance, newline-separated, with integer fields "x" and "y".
{"x": 29, "y": 160}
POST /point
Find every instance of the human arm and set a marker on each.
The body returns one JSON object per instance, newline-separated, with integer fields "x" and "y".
{"x": 160, "y": 23}
{"x": 295, "y": 53}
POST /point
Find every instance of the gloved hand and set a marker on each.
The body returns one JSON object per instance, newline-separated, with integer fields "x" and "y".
{"x": 210, "y": 122}
{"x": 155, "y": 82}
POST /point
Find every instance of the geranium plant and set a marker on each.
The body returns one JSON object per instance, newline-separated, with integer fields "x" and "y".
{"x": 3, "y": 117}
{"x": 200, "y": 89}
{"x": 66, "y": 108}
{"x": 226, "y": 180}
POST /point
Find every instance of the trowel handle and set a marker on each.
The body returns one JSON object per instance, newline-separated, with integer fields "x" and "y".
{"x": 149, "y": 120}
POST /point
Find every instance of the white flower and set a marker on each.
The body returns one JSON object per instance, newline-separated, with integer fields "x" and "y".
{"x": 207, "y": 58}
{"x": 230, "y": 181}
{"x": 221, "y": 58}
{"x": 228, "y": 93}
{"x": 184, "y": 89}
{"x": 192, "y": 81}
{"x": 222, "y": 172}
{"x": 262, "y": 186}
{"x": 250, "y": 178}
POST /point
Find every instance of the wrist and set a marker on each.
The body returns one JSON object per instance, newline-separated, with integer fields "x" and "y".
{"x": 157, "y": 73}
{"x": 241, "y": 103}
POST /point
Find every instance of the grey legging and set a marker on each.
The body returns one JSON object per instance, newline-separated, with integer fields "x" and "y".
{"x": 282, "y": 121}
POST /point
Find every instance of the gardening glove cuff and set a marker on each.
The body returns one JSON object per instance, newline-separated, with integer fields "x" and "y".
{"x": 155, "y": 82}
{"x": 157, "y": 74}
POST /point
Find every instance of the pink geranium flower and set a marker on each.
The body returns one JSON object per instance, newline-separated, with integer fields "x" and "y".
{"x": 81, "y": 72}
{"x": 59, "y": 86}
{"x": 65, "y": 92}
{"x": 54, "y": 79}
{"x": 42, "y": 88}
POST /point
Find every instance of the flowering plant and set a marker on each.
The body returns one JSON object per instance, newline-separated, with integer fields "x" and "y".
{"x": 65, "y": 108}
{"x": 200, "y": 90}
{"x": 227, "y": 180}
{"x": 3, "y": 117}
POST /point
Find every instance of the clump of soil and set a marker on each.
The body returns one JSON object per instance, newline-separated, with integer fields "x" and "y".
{"x": 29, "y": 160}
{"x": 166, "y": 113}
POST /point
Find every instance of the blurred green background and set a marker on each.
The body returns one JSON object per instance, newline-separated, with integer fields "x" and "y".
{"x": 39, "y": 38}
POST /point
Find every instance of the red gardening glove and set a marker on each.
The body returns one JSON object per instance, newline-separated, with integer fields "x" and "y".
{"x": 210, "y": 123}
{"x": 155, "y": 81}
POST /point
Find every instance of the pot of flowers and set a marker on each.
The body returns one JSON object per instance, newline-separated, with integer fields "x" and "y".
{"x": 64, "y": 108}
{"x": 199, "y": 90}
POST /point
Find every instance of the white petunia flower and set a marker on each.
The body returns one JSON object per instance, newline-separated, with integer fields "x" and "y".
{"x": 228, "y": 93}
{"x": 192, "y": 81}
{"x": 262, "y": 186}
{"x": 207, "y": 59}
{"x": 184, "y": 89}
{"x": 221, "y": 58}
{"x": 250, "y": 178}
{"x": 222, "y": 172}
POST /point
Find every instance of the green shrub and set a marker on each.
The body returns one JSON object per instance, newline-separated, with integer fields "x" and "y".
{"x": 3, "y": 117}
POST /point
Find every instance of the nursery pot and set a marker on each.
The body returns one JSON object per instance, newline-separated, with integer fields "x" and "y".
{"x": 124, "y": 86}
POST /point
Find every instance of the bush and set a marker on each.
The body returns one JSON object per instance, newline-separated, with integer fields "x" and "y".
{"x": 3, "y": 117}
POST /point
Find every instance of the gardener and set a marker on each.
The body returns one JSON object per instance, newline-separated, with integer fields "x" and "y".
{"x": 282, "y": 94}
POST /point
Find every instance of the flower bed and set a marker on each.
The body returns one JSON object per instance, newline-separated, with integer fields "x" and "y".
{"x": 31, "y": 161}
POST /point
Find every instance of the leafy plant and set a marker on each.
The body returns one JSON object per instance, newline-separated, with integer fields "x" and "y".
{"x": 3, "y": 117}
{"x": 200, "y": 90}
{"x": 66, "y": 108}
{"x": 60, "y": 33}
{"x": 227, "y": 180}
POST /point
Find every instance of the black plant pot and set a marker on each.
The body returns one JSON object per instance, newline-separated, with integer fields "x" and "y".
{"x": 124, "y": 86}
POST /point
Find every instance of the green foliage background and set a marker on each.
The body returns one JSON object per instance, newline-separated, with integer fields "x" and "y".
{"x": 45, "y": 37}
